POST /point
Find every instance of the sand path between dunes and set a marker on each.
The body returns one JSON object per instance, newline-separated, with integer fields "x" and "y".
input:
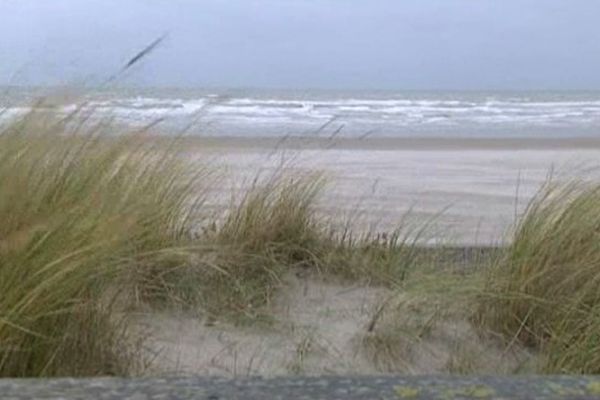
{"x": 323, "y": 328}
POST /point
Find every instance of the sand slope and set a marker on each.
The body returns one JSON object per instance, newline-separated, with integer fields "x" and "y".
{"x": 326, "y": 328}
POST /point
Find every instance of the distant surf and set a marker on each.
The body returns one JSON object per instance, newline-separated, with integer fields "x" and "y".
{"x": 351, "y": 114}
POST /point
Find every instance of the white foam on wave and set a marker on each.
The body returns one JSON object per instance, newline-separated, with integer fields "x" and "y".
{"x": 10, "y": 113}
{"x": 468, "y": 112}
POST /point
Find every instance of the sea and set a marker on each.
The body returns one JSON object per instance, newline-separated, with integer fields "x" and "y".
{"x": 272, "y": 113}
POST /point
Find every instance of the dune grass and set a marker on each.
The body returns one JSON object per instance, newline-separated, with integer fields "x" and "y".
{"x": 271, "y": 229}
{"x": 78, "y": 210}
{"x": 544, "y": 292}
{"x": 94, "y": 223}
{"x": 275, "y": 229}
{"x": 238, "y": 260}
{"x": 375, "y": 258}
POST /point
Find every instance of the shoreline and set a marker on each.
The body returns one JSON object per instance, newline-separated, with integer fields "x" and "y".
{"x": 388, "y": 143}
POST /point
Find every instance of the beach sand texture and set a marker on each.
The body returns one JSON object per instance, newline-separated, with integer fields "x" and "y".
{"x": 319, "y": 327}
{"x": 471, "y": 195}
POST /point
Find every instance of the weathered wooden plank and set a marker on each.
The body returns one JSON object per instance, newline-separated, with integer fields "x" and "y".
{"x": 346, "y": 388}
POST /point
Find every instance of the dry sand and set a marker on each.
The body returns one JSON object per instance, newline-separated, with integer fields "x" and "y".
{"x": 472, "y": 188}
{"x": 328, "y": 328}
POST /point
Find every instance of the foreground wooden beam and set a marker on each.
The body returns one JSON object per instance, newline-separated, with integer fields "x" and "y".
{"x": 346, "y": 388}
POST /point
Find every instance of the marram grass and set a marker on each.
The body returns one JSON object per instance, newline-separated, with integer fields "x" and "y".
{"x": 95, "y": 222}
{"x": 273, "y": 230}
{"x": 545, "y": 292}
{"x": 76, "y": 210}
{"x": 92, "y": 223}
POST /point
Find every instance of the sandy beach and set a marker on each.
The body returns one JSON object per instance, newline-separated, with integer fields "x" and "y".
{"x": 470, "y": 189}
{"x": 289, "y": 189}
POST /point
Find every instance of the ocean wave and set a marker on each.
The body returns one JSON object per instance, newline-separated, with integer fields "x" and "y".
{"x": 507, "y": 113}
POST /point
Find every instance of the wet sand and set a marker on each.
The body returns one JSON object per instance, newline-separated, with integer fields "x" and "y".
{"x": 315, "y": 142}
{"x": 470, "y": 189}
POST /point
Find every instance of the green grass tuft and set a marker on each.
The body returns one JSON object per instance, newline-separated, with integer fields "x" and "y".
{"x": 96, "y": 221}
{"x": 80, "y": 212}
{"x": 544, "y": 291}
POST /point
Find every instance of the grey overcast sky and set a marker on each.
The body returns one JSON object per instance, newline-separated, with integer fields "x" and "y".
{"x": 345, "y": 44}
